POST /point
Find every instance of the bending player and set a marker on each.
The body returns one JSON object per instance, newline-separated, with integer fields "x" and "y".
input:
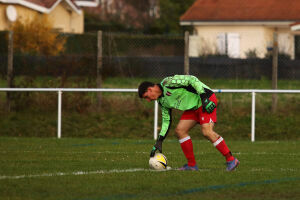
{"x": 198, "y": 101}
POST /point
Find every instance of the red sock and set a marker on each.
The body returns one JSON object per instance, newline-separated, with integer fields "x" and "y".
{"x": 222, "y": 147}
{"x": 187, "y": 148}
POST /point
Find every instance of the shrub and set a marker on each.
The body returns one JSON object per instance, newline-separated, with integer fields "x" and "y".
{"x": 37, "y": 37}
{"x": 251, "y": 53}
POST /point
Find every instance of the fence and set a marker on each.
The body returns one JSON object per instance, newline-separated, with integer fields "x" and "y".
{"x": 129, "y": 58}
{"x": 139, "y": 56}
{"x": 60, "y": 90}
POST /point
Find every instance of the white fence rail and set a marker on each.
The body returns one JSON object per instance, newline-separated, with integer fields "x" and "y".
{"x": 61, "y": 90}
{"x": 253, "y": 92}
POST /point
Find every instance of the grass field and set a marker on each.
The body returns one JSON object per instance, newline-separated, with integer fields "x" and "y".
{"x": 93, "y": 169}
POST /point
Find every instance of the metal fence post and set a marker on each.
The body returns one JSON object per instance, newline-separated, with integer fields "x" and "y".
{"x": 155, "y": 119}
{"x": 253, "y": 118}
{"x": 275, "y": 71}
{"x": 10, "y": 74}
{"x": 59, "y": 115}
{"x": 186, "y": 53}
{"x": 99, "y": 68}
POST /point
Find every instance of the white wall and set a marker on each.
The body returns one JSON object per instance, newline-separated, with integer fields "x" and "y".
{"x": 205, "y": 40}
{"x": 286, "y": 43}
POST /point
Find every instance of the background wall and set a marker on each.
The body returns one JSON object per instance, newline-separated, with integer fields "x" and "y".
{"x": 251, "y": 38}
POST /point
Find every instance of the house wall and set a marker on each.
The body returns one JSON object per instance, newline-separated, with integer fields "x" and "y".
{"x": 251, "y": 38}
{"x": 2, "y": 17}
{"x": 286, "y": 42}
{"x": 62, "y": 18}
{"x": 23, "y": 13}
{"x": 66, "y": 20}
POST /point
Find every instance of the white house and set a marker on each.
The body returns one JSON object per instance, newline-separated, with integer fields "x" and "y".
{"x": 66, "y": 15}
{"x": 238, "y": 27}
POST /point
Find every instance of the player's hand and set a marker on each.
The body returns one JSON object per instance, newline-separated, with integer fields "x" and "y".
{"x": 208, "y": 106}
{"x": 157, "y": 146}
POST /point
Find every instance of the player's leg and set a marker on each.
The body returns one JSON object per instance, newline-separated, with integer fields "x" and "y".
{"x": 216, "y": 140}
{"x": 182, "y": 131}
{"x": 183, "y": 128}
{"x": 208, "y": 132}
{"x": 219, "y": 143}
{"x": 207, "y": 121}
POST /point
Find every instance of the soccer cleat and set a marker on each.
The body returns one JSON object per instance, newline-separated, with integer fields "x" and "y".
{"x": 188, "y": 168}
{"x": 231, "y": 165}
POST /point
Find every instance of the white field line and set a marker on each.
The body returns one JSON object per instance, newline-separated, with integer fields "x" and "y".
{"x": 122, "y": 171}
{"x": 77, "y": 152}
{"x": 86, "y": 173}
{"x": 75, "y": 173}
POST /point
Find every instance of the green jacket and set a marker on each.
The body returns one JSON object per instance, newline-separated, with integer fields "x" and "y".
{"x": 181, "y": 92}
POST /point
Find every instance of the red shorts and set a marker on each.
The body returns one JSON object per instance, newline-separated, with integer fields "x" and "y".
{"x": 200, "y": 116}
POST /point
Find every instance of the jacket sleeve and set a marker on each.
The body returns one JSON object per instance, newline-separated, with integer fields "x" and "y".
{"x": 166, "y": 122}
{"x": 185, "y": 81}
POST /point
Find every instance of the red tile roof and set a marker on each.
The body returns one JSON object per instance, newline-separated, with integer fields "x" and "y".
{"x": 43, "y": 3}
{"x": 243, "y": 10}
{"x": 46, "y": 3}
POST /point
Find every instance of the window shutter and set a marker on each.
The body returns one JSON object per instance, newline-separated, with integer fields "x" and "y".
{"x": 233, "y": 45}
{"x": 221, "y": 43}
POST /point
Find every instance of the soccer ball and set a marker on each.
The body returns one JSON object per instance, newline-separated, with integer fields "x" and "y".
{"x": 158, "y": 162}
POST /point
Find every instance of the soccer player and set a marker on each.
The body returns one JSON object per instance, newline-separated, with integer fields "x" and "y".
{"x": 198, "y": 101}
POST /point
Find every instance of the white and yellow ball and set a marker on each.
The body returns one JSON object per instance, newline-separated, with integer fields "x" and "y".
{"x": 158, "y": 162}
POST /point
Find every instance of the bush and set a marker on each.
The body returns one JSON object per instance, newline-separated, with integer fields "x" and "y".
{"x": 36, "y": 37}
{"x": 251, "y": 53}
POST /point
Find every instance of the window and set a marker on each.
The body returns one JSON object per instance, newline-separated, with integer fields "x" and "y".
{"x": 229, "y": 44}
{"x": 222, "y": 43}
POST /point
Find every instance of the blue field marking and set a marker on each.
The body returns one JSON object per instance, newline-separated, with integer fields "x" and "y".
{"x": 242, "y": 184}
{"x": 199, "y": 189}
{"x": 115, "y": 143}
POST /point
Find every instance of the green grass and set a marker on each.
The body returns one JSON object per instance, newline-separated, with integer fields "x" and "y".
{"x": 45, "y": 168}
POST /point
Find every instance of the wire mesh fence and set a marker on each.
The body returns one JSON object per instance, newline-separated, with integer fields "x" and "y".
{"x": 126, "y": 61}
{"x": 140, "y": 56}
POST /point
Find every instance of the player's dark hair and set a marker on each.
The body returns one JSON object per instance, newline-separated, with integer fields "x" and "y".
{"x": 143, "y": 87}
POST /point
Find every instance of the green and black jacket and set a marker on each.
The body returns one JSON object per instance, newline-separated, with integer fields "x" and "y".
{"x": 181, "y": 92}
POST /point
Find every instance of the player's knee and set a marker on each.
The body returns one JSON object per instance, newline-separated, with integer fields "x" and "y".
{"x": 207, "y": 132}
{"x": 180, "y": 132}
